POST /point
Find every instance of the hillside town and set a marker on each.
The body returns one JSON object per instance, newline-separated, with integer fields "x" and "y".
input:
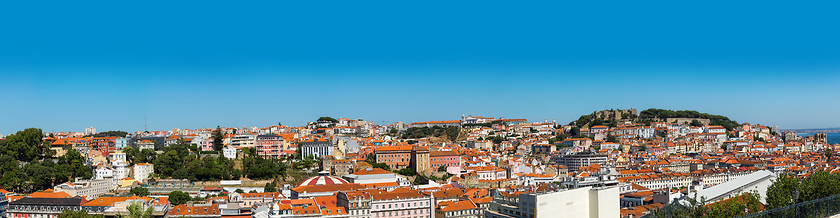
{"x": 611, "y": 163}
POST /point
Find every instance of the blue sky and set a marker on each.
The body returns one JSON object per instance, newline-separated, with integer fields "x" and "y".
{"x": 68, "y": 65}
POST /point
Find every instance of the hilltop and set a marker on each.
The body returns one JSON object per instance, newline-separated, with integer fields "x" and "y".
{"x": 614, "y": 117}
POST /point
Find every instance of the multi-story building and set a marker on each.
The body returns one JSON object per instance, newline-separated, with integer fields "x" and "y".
{"x": 31, "y": 207}
{"x": 356, "y": 203}
{"x": 444, "y": 158}
{"x": 104, "y": 144}
{"x": 143, "y": 170}
{"x": 660, "y": 180}
{"x": 121, "y": 143}
{"x": 396, "y": 157}
{"x": 229, "y": 152}
{"x": 269, "y": 146}
{"x": 317, "y": 147}
{"x": 4, "y": 203}
{"x": 92, "y": 188}
{"x": 419, "y": 158}
{"x": 458, "y": 209}
{"x": 338, "y": 167}
{"x": 204, "y": 210}
{"x": 146, "y": 144}
{"x": 578, "y": 160}
{"x": 243, "y": 141}
{"x": 402, "y": 204}
{"x": 121, "y": 169}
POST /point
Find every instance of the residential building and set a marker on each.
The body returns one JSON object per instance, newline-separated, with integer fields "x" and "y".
{"x": 229, "y": 152}
{"x": 4, "y": 203}
{"x": 317, "y": 147}
{"x": 444, "y": 158}
{"x": 269, "y": 146}
{"x": 33, "y": 207}
{"x": 204, "y": 210}
{"x": 402, "y": 204}
{"x": 143, "y": 170}
{"x": 92, "y": 188}
{"x": 584, "y": 159}
{"x": 458, "y": 209}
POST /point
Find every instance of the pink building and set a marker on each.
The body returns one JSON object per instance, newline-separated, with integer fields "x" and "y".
{"x": 269, "y": 146}
{"x": 400, "y": 203}
{"x": 444, "y": 158}
{"x": 207, "y": 144}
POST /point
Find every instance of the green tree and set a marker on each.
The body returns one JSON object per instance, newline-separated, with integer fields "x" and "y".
{"x": 140, "y": 191}
{"x": 406, "y": 171}
{"x": 327, "y": 119}
{"x": 779, "y": 193}
{"x": 12, "y": 176}
{"x": 218, "y": 139}
{"x": 74, "y": 164}
{"x": 25, "y": 145}
{"x": 695, "y": 123}
{"x": 442, "y": 168}
{"x": 179, "y": 197}
{"x": 239, "y": 190}
{"x": 270, "y": 187}
{"x": 818, "y": 185}
{"x": 77, "y": 214}
{"x": 420, "y": 180}
{"x": 135, "y": 210}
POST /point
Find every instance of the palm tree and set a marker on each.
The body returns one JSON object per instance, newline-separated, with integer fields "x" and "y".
{"x": 135, "y": 210}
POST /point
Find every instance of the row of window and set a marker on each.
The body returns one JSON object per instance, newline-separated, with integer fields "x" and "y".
{"x": 402, "y": 205}
{"x": 399, "y": 213}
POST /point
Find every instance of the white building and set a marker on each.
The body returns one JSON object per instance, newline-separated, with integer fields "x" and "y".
{"x": 104, "y": 172}
{"x": 758, "y": 181}
{"x": 90, "y": 188}
{"x": 90, "y": 131}
{"x": 143, "y": 170}
{"x": 121, "y": 169}
{"x": 229, "y": 152}
{"x": 580, "y": 202}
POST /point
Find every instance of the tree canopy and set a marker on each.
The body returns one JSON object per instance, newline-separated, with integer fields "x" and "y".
{"x": 179, "y": 197}
{"x": 327, "y": 119}
{"x": 450, "y": 132}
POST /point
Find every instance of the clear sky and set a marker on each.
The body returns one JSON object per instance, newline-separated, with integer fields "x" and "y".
{"x": 67, "y": 65}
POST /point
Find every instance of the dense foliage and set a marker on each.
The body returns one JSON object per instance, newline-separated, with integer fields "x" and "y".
{"x": 450, "y": 133}
{"x": 110, "y": 134}
{"x": 818, "y": 185}
{"x": 733, "y": 207}
{"x": 140, "y": 191}
{"x": 26, "y": 145}
{"x": 327, "y": 119}
{"x": 77, "y": 214}
{"x": 179, "y": 197}
{"x": 651, "y": 115}
{"x": 406, "y": 171}
{"x": 218, "y": 138}
{"x": 713, "y": 119}
{"x": 26, "y": 163}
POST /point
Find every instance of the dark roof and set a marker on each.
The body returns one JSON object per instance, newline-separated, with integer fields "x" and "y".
{"x": 49, "y": 201}
{"x": 269, "y": 136}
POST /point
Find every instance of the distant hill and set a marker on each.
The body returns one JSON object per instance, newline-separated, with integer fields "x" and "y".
{"x": 816, "y": 130}
{"x": 652, "y": 115}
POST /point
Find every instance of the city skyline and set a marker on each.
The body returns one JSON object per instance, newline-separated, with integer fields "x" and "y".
{"x": 108, "y": 66}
